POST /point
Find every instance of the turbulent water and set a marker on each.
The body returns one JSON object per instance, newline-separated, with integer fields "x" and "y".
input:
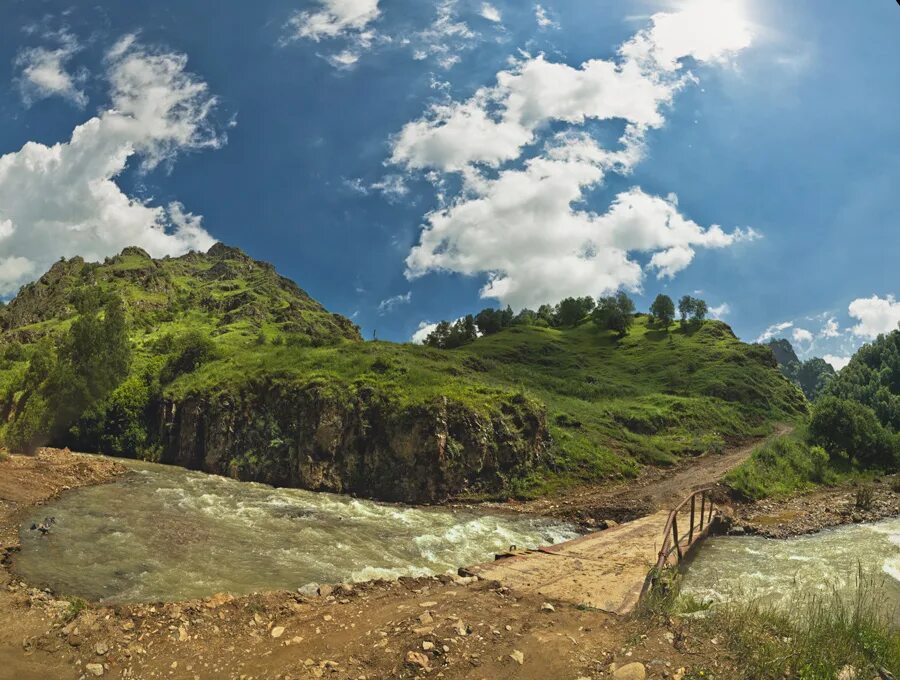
{"x": 163, "y": 533}
{"x": 732, "y": 568}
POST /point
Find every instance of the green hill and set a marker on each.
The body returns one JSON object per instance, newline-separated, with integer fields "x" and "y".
{"x": 236, "y": 370}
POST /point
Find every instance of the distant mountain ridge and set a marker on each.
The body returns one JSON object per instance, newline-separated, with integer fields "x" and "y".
{"x": 234, "y": 369}
{"x": 812, "y": 375}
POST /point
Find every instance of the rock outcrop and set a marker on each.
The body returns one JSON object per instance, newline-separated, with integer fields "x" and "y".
{"x": 316, "y": 437}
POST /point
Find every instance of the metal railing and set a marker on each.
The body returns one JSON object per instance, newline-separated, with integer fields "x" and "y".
{"x": 699, "y": 523}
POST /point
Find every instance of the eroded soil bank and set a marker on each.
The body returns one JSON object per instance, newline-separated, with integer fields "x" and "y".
{"x": 817, "y": 510}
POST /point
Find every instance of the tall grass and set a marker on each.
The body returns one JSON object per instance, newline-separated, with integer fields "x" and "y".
{"x": 815, "y": 638}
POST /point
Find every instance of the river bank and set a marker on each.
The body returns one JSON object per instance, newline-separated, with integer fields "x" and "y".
{"x": 443, "y": 626}
{"x": 823, "y": 508}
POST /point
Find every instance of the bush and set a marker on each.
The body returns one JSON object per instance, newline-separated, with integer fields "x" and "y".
{"x": 782, "y": 466}
{"x": 191, "y": 350}
{"x": 864, "y": 496}
{"x": 847, "y": 427}
{"x": 30, "y": 428}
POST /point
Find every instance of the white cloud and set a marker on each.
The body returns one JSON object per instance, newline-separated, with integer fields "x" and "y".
{"x": 543, "y": 18}
{"x": 347, "y": 20}
{"x": 491, "y": 13}
{"x": 802, "y": 336}
{"x": 335, "y": 18}
{"x": 63, "y": 200}
{"x": 774, "y": 330}
{"x": 445, "y": 38}
{"x": 837, "y": 362}
{"x": 831, "y": 329}
{"x": 533, "y": 93}
{"x": 710, "y": 31}
{"x": 539, "y": 247}
{"x": 524, "y": 226}
{"x": 425, "y": 329}
{"x": 721, "y": 311}
{"x": 876, "y": 315}
{"x": 44, "y": 72}
{"x": 391, "y": 303}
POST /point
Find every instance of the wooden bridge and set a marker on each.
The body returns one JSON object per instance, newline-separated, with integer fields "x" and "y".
{"x": 610, "y": 569}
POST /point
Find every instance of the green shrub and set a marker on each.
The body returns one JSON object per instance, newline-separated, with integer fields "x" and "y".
{"x": 847, "y": 427}
{"x": 783, "y": 466}
{"x": 189, "y": 351}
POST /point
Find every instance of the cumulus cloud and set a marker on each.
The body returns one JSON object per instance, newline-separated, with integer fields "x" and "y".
{"x": 522, "y": 222}
{"x": 831, "y": 329}
{"x": 837, "y": 362}
{"x": 425, "y": 329}
{"x": 875, "y": 315}
{"x": 390, "y": 304}
{"x": 63, "y": 200}
{"x": 710, "y": 31}
{"x": 348, "y": 20}
{"x": 774, "y": 330}
{"x": 802, "y": 336}
{"x": 491, "y": 13}
{"x": 335, "y": 18}
{"x": 539, "y": 246}
{"x": 720, "y": 311}
{"x": 44, "y": 72}
{"x": 445, "y": 38}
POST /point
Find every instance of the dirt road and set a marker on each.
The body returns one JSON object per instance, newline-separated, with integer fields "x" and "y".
{"x": 657, "y": 488}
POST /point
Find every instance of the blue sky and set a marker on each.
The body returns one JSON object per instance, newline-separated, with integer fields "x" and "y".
{"x": 407, "y": 161}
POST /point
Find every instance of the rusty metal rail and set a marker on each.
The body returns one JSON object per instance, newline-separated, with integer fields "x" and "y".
{"x": 699, "y": 522}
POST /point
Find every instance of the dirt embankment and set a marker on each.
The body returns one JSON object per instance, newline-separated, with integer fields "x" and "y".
{"x": 447, "y": 627}
{"x": 817, "y": 510}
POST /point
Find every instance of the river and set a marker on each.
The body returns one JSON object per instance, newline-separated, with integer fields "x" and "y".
{"x": 165, "y": 533}
{"x": 774, "y": 572}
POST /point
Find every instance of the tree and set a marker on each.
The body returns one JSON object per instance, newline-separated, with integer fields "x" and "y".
{"x": 701, "y": 309}
{"x": 685, "y": 307}
{"x": 490, "y": 320}
{"x": 438, "y": 337}
{"x": 546, "y": 314}
{"x": 570, "y": 311}
{"x": 92, "y": 358}
{"x": 614, "y": 313}
{"x": 692, "y": 309}
{"x": 663, "y": 310}
{"x": 847, "y": 427}
{"x": 450, "y": 336}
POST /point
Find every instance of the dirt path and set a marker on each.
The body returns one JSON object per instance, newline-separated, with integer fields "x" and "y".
{"x": 657, "y": 489}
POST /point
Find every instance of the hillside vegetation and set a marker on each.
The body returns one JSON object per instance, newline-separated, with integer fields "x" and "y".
{"x": 234, "y": 369}
{"x": 853, "y": 431}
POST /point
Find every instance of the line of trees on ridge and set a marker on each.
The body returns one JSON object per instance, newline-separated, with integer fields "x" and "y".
{"x": 611, "y": 312}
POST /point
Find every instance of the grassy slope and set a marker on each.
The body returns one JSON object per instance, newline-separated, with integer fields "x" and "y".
{"x": 611, "y": 404}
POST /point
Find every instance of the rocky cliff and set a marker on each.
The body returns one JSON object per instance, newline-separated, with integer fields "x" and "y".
{"x": 316, "y": 437}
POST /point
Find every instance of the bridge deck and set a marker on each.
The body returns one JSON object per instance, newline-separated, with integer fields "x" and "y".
{"x": 604, "y": 570}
